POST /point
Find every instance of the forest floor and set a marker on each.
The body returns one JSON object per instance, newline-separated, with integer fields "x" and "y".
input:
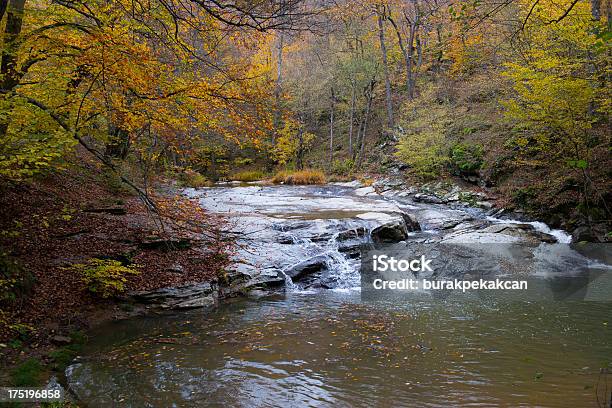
{"x": 69, "y": 218}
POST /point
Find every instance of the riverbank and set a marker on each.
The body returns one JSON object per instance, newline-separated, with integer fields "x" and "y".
{"x": 74, "y": 245}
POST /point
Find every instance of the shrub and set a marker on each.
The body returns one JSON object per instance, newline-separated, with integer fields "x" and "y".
{"x": 466, "y": 157}
{"x": 104, "y": 277}
{"x": 300, "y": 177}
{"x": 424, "y": 152}
{"x": 252, "y": 175}
{"x": 422, "y": 134}
{"x": 191, "y": 178}
{"x": 342, "y": 167}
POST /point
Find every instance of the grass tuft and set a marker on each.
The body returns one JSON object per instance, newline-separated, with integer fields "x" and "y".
{"x": 300, "y": 177}
{"x": 251, "y": 175}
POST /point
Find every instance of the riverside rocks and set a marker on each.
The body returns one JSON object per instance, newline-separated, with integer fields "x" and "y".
{"x": 300, "y": 235}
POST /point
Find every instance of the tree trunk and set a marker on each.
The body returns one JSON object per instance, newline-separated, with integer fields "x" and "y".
{"x": 278, "y": 87}
{"x": 352, "y": 118}
{"x": 331, "y": 128}
{"x": 8, "y": 65}
{"x": 400, "y": 40}
{"x": 358, "y": 138}
{"x": 299, "y": 158}
{"x": 119, "y": 143}
{"x": 410, "y": 53}
{"x": 383, "y": 48}
{"x": 3, "y": 4}
{"x": 596, "y": 9}
{"x": 369, "y": 97}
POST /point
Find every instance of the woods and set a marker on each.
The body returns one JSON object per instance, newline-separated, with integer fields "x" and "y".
{"x": 109, "y": 109}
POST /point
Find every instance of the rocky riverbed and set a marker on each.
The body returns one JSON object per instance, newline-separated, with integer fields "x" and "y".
{"x": 310, "y": 237}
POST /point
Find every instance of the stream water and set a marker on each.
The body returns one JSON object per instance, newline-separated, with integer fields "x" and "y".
{"x": 320, "y": 344}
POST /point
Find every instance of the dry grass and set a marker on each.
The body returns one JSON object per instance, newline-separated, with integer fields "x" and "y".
{"x": 307, "y": 176}
{"x": 251, "y": 175}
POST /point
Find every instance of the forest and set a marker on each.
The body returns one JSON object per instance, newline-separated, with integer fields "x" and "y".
{"x": 109, "y": 109}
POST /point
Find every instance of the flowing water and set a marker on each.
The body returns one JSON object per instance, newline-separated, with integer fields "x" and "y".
{"x": 319, "y": 344}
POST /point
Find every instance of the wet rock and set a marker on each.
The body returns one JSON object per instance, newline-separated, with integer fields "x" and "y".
{"x": 584, "y": 233}
{"x": 503, "y": 233}
{"x": 496, "y": 212}
{"x": 427, "y": 198}
{"x": 448, "y": 224}
{"x": 266, "y": 278}
{"x": 181, "y": 297}
{"x": 307, "y": 267}
{"x": 241, "y": 276}
{"x": 365, "y": 191}
{"x": 411, "y": 222}
{"x": 349, "y": 234}
{"x": 53, "y": 384}
{"x": 394, "y": 231}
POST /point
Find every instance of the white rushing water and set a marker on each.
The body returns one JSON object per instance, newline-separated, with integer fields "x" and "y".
{"x": 562, "y": 236}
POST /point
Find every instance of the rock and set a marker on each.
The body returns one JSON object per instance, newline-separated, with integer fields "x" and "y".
{"x": 61, "y": 340}
{"x": 584, "y": 233}
{"x": 451, "y": 197}
{"x": 352, "y": 184}
{"x": 388, "y": 184}
{"x": 522, "y": 231}
{"x": 53, "y": 384}
{"x": 394, "y": 231}
{"x": 307, "y": 267}
{"x": 484, "y": 204}
{"x": 350, "y": 234}
{"x": 495, "y": 212}
{"x": 448, "y": 224}
{"x": 427, "y": 198}
{"x": 364, "y": 191}
{"x": 181, "y": 297}
{"x": 165, "y": 244}
{"x": 411, "y": 222}
{"x": 176, "y": 268}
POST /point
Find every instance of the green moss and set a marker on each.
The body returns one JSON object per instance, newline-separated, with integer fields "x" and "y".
{"x": 61, "y": 358}
{"x": 27, "y": 374}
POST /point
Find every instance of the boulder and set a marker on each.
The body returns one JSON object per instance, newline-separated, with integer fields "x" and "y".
{"x": 307, "y": 267}
{"x": 394, "y": 231}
